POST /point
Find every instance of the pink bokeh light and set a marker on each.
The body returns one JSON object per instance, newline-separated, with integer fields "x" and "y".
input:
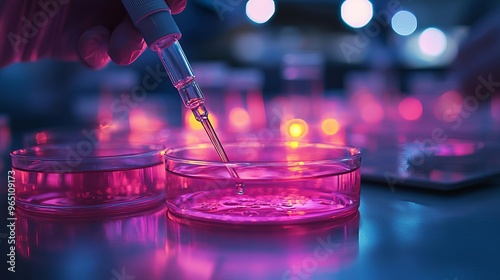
{"x": 410, "y": 108}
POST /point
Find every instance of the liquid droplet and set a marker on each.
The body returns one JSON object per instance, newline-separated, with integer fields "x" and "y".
{"x": 240, "y": 187}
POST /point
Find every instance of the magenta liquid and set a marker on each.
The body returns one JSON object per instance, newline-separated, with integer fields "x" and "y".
{"x": 90, "y": 192}
{"x": 264, "y": 201}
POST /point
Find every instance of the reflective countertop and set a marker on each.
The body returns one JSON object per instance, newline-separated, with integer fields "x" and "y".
{"x": 397, "y": 234}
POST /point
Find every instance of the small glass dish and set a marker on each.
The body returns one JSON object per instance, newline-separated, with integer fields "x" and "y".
{"x": 89, "y": 178}
{"x": 284, "y": 183}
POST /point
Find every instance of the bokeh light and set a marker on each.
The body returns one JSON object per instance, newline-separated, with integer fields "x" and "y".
{"x": 372, "y": 113}
{"x": 41, "y": 138}
{"x": 410, "y": 108}
{"x": 432, "y": 42}
{"x": 448, "y": 106}
{"x": 140, "y": 121}
{"x": 260, "y": 11}
{"x": 193, "y": 124}
{"x": 330, "y": 126}
{"x": 362, "y": 97}
{"x": 239, "y": 118}
{"x": 404, "y": 23}
{"x": 296, "y": 128}
{"x": 292, "y": 144}
{"x": 356, "y": 13}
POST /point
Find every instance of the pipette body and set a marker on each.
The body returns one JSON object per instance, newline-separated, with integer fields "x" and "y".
{"x": 153, "y": 19}
{"x": 182, "y": 77}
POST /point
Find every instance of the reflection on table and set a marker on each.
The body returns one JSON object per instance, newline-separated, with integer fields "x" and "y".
{"x": 152, "y": 246}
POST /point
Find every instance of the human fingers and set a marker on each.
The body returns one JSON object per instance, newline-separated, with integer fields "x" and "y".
{"x": 126, "y": 43}
{"x": 93, "y": 47}
{"x": 176, "y": 6}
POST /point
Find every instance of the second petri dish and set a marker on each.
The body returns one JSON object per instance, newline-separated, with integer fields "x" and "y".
{"x": 87, "y": 179}
{"x": 284, "y": 183}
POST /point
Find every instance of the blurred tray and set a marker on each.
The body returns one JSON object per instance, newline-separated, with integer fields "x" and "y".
{"x": 451, "y": 165}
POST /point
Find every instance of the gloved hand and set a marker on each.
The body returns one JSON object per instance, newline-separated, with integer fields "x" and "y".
{"x": 94, "y": 31}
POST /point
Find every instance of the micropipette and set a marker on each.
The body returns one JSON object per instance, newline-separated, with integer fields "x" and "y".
{"x": 154, "y": 21}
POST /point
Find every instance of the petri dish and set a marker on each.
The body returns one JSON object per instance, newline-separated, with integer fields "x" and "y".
{"x": 88, "y": 178}
{"x": 284, "y": 183}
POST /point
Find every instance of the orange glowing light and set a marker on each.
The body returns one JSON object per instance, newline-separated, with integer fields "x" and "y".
{"x": 330, "y": 126}
{"x": 296, "y": 128}
{"x": 410, "y": 108}
{"x": 193, "y": 124}
{"x": 41, "y": 138}
{"x": 293, "y": 144}
{"x": 239, "y": 117}
{"x": 372, "y": 113}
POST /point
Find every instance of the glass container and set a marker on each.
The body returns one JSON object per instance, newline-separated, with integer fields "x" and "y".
{"x": 283, "y": 183}
{"x": 86, "y": 178}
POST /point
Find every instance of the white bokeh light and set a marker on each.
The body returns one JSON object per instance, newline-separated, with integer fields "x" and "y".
{"x": 260, "y": 11}
{"x": 432, "y": 42}
{"x": 404, "y": 23}
{"x": 356, "y": 13}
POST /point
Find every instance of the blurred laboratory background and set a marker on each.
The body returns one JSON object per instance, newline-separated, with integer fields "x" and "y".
{"x": 326, "y": 70}
{"x": 414, "y": 83}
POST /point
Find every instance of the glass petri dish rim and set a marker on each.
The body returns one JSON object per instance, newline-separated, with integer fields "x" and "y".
{"x": 356, "y": 154}
{"x": 24, "y": 159}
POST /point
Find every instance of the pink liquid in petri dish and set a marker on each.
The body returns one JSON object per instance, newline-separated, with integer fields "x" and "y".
{"x": 87, "y": 189}
{"x": 267, "y": 202}
{"x": 113, "y": 180}
{"x": 275, "y": 193}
